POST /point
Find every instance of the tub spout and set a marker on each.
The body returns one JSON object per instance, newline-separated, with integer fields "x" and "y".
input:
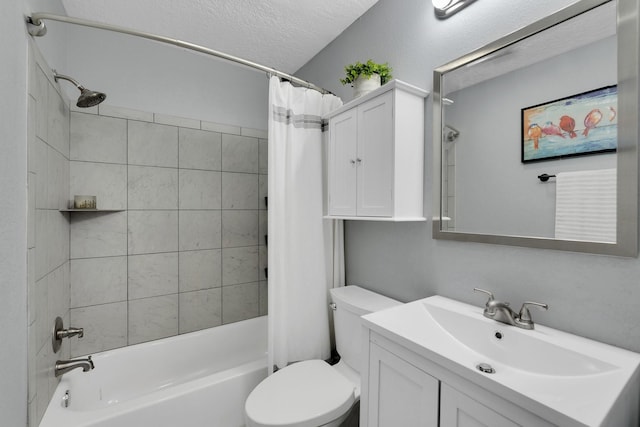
{"x": 64, "y": 366}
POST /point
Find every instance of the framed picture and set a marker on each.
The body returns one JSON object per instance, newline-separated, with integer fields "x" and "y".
{"x": 577, "y": 125}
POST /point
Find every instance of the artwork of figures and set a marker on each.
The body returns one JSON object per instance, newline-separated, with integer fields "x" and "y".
{"x": 572, "y": 126}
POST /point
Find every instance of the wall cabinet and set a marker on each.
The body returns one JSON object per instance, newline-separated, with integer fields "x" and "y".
{"x": 375, "y": 156}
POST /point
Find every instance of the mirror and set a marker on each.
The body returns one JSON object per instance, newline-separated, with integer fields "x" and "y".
{"x": 535, "y": 135}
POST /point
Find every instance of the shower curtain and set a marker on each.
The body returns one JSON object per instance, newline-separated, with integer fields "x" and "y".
{"x": 305, "y": 250}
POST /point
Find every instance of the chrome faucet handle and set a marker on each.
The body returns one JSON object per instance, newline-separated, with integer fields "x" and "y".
{"x": 525, "y": 314}
{"x": 524, "y": 318}
{"x": 490, "y": 294}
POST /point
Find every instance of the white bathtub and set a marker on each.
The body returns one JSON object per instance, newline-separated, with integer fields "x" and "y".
{"x": 192, "y": 380}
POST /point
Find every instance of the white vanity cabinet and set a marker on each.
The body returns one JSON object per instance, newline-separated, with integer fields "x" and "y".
{"x": 375, "y": 156}
{"x": 401, "y": 388}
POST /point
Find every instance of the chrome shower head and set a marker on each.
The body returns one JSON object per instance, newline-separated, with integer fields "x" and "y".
{"x": 88, "y": 98}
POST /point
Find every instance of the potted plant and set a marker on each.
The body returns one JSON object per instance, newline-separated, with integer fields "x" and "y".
{"x": 366, "y": 77}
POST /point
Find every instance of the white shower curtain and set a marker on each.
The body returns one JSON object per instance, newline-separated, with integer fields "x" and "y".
{"x": 301, "y": 243}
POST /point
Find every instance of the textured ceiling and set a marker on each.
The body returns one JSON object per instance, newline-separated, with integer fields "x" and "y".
{"x": 283, "y": 34}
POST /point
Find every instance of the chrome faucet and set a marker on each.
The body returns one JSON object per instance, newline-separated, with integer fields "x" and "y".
{"x": 64, "y": 366}
{"x": 501, "y": 312}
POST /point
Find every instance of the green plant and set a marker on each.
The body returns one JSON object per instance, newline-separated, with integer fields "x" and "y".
{"x": 367, "y": 69}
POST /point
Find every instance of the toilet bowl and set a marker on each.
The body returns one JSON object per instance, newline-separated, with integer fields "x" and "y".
{"x": 313, "y": 393}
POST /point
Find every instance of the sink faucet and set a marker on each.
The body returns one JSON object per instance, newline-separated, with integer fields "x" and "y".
{"x": 64, "y": 366}
{"x": 500, "y": 311}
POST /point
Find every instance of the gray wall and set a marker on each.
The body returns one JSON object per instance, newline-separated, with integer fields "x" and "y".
{"x": 590, "y": 295}
{"x": 13, "y": 208}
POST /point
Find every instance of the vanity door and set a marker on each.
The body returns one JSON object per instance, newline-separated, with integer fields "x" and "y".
{"x": 399, "y": 393}
{"x": 459, "y": 410}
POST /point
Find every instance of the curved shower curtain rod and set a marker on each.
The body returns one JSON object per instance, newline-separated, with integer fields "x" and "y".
{"x": 38, "y": 29}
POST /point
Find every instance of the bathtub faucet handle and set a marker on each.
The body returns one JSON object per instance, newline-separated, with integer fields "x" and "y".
{"x": 71, "y": 332}
{"x": 59, "y": 332}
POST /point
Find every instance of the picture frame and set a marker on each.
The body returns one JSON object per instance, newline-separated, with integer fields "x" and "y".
{"x": 576, "y": 125}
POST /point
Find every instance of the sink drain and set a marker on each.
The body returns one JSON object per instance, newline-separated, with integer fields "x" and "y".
{"x": 486, "y": 368}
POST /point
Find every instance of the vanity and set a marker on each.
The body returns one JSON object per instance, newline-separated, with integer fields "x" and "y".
{"x": 440, "y": 362}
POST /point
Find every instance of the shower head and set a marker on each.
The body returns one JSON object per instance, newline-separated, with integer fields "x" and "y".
{"x": 88, "y": 98}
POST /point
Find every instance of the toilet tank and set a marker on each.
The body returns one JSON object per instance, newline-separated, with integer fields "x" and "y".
{"x": 351, "y": 303}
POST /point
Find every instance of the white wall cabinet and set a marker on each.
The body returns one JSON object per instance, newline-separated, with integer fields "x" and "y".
{"x": 375, "y": 158}
{"x": 401, "y": 388}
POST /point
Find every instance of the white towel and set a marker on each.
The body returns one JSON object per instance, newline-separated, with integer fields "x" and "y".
{"x": 586, "y": 205}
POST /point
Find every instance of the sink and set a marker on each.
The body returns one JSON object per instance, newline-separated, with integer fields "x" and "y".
{"x": 533, "y": 351}
{"x": 568, "y": 378}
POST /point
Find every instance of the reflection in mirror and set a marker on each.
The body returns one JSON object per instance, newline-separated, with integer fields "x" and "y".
{"x": 529, "y": 105}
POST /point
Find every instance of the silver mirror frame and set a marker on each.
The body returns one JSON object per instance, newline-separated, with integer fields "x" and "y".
{"x": 628, "y": 32}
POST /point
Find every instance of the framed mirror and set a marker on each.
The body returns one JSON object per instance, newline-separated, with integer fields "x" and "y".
{"x": 536, "y": 135}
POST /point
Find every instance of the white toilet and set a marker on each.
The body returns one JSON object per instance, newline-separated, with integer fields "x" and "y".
{"x": 313, "y": 393}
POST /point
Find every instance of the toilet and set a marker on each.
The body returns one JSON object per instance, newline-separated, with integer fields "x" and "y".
{"x": 313, "y": 393}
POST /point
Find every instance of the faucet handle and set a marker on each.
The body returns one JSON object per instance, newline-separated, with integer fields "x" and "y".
{"x": 490, "y": 294}
{"x": 525, "y": 315}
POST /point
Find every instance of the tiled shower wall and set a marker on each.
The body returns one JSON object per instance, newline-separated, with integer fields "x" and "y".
{"x": 184, "y": 247}
{"x": 47, "y": 230}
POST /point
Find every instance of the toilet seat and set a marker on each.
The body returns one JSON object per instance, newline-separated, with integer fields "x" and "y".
{"x": 305, "y": 394}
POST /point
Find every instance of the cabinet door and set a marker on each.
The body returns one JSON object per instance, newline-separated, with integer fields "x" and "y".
{"x": 399, "y": 393}
{"x": 459, "y": 410}
{"x": 342, "y": 164}
{"x": 375, "y": 157}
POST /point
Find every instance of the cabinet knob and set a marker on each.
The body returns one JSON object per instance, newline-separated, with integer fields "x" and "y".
{"x": 359, "y": 160}
{"x": 353, "y": 162}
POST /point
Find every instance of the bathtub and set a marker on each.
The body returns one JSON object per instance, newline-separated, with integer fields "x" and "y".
{"x": 193, "y": 380}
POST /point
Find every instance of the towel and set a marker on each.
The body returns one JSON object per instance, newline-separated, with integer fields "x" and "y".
{"x": 586, "y": 205}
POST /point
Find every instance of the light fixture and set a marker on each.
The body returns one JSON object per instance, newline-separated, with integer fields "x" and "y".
{"x": 445, "y": 8}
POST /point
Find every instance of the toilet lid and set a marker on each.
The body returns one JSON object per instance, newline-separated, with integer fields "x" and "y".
{"x": 309, "y": 393}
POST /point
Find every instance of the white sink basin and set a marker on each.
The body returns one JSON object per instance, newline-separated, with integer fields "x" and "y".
{"x": 531, "y": 351}
{"x": 564, "y": 376}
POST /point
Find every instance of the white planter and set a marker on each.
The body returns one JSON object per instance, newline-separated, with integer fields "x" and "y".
{"x": 363, "y": 85}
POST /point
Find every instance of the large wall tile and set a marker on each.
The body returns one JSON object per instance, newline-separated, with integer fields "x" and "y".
{"x": 240, "y": 265}
{"x": 98, "y": 139}
{"x": 240, "y": 302}
{"x": 239, "y": 154}
{"x": 240, "y": 228}
{"x": 239, "y": 191}
{"x": 200, "y": 149}
{"x": 200, "y": 270}
{"x": 176, "y": 121}
{"x": 200, "y": 189}
{"x": 40, "y": 166}
{"x": 98, "y": 281}
{"x": 217, "y": 127}
{"x": 57, "y": 168}
{"x": 125, "y": 113}
{"x": 153, "y": 232}
{"x": 153, "y": 318}
{"x": 58, "y": 293}
{"x": 152, "y": 188}
{"x": 108, "y": 182}
{"x": 153, "y": 275}
{"x": 58, "y": 122}
{"x": 264, "y": 298}
{"x": 42, "y": 237}
{"x": 263, "y": 156}
{"x": 105, "y": 327}
{"x": 98, "y": 234}
{"x": 200, "y": 230}
{"x": 42, "y": 323}
{"x": 152, "y": 144}
{"x": 200, "y": 310}
{"x": 41, "y": 95}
